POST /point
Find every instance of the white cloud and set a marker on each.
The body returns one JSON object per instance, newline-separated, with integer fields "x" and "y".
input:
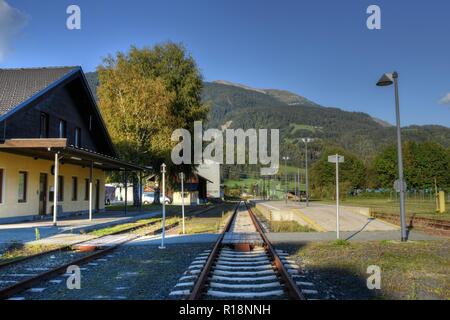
{"x": 12, "y": 21}
{"x": 445, "y": 99}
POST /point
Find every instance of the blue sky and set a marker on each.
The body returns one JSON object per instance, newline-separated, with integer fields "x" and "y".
{"x": 320, "y": 49}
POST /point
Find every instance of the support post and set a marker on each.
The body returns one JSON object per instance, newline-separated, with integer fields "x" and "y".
{"x": 126, "y": 191}
{"x": 91, "y": 170}
{"x": 163, "y": 171}
{"x": 140, "y": 191}
{"x": 55, "y": 192}
{"x": 182, "y": 201}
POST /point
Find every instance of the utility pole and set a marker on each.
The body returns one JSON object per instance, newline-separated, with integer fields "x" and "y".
{"x": 286, "y": 178}
{"x": 306, "y": 141}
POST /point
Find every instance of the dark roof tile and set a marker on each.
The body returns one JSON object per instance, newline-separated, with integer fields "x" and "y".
{"x": 18, "y": 85}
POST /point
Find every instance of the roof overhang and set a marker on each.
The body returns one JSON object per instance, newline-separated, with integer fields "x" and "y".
{"x": 46, "y": 149}
{"x": 202, "y": 177}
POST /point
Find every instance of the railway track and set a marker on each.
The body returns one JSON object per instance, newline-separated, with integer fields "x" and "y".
{"x": 22, "y": 275}
{"x": 242, "y": 265}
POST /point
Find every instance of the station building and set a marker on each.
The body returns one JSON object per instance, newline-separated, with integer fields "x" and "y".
{"x": 54, "y": 145}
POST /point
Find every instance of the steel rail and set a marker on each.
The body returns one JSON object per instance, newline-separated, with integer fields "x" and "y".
{"x": 197, "y": 291}
{"x": 292, "y": 289}
{"x": 68, "y": 247}
{"x": 7, "y": 292}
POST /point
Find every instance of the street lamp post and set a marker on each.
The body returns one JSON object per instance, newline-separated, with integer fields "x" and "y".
{"x": 386, "y": 80}
{"x": 163, "y": 171}
{"x": 286, "y": 159}
{"x": 306, "y": 141}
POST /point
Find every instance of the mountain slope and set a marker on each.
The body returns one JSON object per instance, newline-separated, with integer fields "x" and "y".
{"x": 241, "y": 106}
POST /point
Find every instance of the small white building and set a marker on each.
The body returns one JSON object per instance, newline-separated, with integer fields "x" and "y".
{"x": 211, "y": 171}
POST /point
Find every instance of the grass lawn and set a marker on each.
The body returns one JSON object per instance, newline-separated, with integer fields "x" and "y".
{"x": 288, "y": 226}
{"x": 281, "y": 226}
{"x": 22, "y": 251}
{"x": 283, "y": 169}
{"x": 420, "y": 208}
{"x": 122, "y": 227}
{"x": 414, "y": 270}
{"x": 209, "y": 222}
{"x": 173, "y": 214}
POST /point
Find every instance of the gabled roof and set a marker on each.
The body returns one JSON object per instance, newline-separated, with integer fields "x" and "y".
{"x": 19, "y": 85}
{"x": 19, "y": 88}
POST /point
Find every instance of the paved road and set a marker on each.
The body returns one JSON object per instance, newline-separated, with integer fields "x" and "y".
{"x": 325, "y": 217}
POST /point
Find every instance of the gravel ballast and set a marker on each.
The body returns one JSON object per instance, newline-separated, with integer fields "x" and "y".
{"x": 128, "y": 273}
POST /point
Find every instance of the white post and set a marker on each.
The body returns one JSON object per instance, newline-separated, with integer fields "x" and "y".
{"x": 337, "y": 197}
{"x": 55, "y": 191}
{"x": 163, "y": 171}
{"x": 182, "y": 201}
{"x": 90, "y": 191}
{"x": 306, "y": 173}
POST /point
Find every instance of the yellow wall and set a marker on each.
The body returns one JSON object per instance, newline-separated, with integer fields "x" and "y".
{"x": 190, "y": 198}
{"x": 12, "y": 164}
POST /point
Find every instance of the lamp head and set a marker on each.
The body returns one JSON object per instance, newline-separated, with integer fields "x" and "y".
{"x": 387, "y": 79}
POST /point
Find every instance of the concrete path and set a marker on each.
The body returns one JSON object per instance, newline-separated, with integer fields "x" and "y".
{"x": 325, "y": 216}
{"x": 67, "y": 227}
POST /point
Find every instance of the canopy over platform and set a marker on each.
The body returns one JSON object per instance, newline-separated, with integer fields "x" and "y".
{"x": 46, "y": 149}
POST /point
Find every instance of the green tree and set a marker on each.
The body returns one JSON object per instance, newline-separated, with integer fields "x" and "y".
{"x": 423, "y": 162}
{"x": 144, "y": 95}
{"x": 323, "y": 173}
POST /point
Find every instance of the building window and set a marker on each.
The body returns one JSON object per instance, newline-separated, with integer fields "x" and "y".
{"x": 1, "y": 185}
{"x": 77, "y": 138}
{"x": 62, "y": 129}
{"x": 22, "y": 196}
{"x": 60, "y": 188}
{"x": 74, "y": 188}
{"x": 44, "y": 126}
{"x": 86, "y": 189}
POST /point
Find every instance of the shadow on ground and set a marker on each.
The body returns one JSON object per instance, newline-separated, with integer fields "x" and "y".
{"x": 335, "y": 283}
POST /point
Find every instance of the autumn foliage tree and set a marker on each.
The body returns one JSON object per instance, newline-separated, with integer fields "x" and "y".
{"x": 144, "y": 95}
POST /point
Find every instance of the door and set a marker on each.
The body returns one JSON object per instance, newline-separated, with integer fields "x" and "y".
{"x": 43, "y": 194}
{"x": 97, "y": 195}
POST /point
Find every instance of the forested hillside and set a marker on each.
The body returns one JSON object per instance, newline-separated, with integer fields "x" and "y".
{"x": 239, "y": 106}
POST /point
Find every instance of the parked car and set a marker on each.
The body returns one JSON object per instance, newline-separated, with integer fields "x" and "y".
{"x": 149, "y": 198}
